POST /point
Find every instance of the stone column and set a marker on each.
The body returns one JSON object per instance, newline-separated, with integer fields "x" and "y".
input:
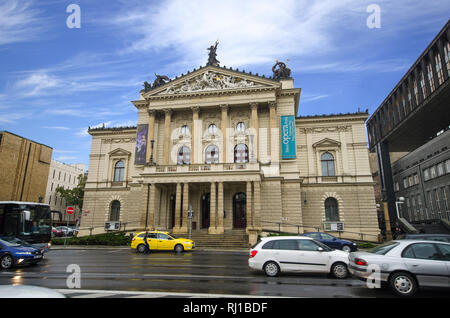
{"x": 220, "y": 228}
{"x": 152, "y": 207}
{"x": 257, "y": 204}
{"x": 176, "y": 227}
{"x": 272, "y": 126}
{"x": 254, "y": 124}
{"x": 185, "y": 220}
{"x": 249, "y": 207}
{"x": 224, "y": 126}
{"x": 194, "y": 137}
{"x": 144, "y": 206}
{"x": 212, "y": 210}
{"x": 167, "y": 136}
{"x": 151, "y": 133}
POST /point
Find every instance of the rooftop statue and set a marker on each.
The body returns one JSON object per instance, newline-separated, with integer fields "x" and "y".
{"x": 160, "y": 80}
{"x": 212, "y": 55}
{"x": 282, "y": 72}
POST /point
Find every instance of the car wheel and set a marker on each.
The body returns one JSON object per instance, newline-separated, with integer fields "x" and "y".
{"x": 6, "y": 262}
{"x": 271, "y": 269}
{"x": 339, "y": 270}
{"x": 141, "y": 248}
{"x": 346, "y": 248}
{"x": 179, "y": 248}
{"x": 403, "y": 284}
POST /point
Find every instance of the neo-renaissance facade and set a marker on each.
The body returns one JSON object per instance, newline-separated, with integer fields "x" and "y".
{"x": 227, "y": 145}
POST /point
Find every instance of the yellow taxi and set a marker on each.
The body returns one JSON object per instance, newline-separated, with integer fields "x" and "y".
{"x": 161, "y": 241}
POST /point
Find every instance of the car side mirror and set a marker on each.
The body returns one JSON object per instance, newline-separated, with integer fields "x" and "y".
{"x": 334, "y": 239}
{"x": 320, "y": 249}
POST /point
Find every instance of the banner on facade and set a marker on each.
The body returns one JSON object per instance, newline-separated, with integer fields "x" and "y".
{"x": 288, "y": 150}
{"x": 141, "y": 144}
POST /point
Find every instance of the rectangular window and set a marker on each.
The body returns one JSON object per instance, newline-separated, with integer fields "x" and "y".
{"x": 440, "y": 169}
{"x": 447, "y": 57}
{"x": 437, "y": 203}
{"x": 447, "y": 166}
{"x": 413, "y": 208}
{"x": 396, "y": 186}
{"x": 426, "y": 174}
{"x": 416, "y": 92}
{"x": 430, "y": 77}
{"x": 405, "y": 183}
{"x": 410, "y": 181}
{"x": 408, "y": 206}
{"x": 416, "y": 178}
{"x": 444, "y": 199}
{"x": 439, "y": 72}
{"x": 419, "y": 207}
{"x": 433, "y": 172}
{"x": 422, "y": 85}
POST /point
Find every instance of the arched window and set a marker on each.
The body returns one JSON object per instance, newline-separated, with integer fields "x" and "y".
{"x": 212, "y": 154}
{"x": 331, "y": 210}
{"x": 241, "y": 153}
{"x": 212, "y": 129}
{"x": 184, "y": 130}
{"x": 327, "y": 160}
{"x": 184, "y": 156}
{"x": 119, "y": 171}
{"x": 114, "y": 214}
{"x": 240, "y": 127}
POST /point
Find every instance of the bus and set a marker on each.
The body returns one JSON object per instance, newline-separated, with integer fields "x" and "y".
{"x": 30, "y": 222}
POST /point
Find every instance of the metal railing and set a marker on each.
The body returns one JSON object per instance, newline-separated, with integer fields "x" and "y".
{"x": 279, "y": 225}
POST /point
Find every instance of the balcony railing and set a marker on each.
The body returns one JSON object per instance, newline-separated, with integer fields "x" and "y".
{"x": 193, "y": 168}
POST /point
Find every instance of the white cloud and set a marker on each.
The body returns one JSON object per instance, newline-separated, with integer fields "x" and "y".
{"x": 18, "y": 21}
{"x": 249, "y": 32}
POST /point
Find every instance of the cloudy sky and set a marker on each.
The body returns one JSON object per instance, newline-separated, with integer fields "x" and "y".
{"x": 55, "y": 81}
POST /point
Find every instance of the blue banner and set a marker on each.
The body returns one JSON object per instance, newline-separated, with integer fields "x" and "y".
{"x": 288, "y": 150}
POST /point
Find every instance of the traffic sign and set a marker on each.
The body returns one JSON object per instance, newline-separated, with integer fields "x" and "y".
{"x": 70, "y": 210}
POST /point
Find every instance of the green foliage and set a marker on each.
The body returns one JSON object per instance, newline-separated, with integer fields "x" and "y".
{"x": 74, "y": 196}
{"x": 109, "y": 239}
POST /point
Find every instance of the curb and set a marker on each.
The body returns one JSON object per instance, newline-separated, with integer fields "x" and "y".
{"x": 101, "y": 247}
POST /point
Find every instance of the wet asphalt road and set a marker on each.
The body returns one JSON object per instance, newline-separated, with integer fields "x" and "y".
{"x": 199, "y": 272}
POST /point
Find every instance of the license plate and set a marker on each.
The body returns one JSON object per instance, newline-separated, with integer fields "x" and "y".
{"x": 38, "y": 256}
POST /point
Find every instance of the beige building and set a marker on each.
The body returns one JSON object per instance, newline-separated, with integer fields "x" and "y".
{"x": 24, "y": 168}
{"x": 61, "y": 175}
{"x": 227, "y": 145}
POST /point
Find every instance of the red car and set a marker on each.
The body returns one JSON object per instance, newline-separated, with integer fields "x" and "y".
{"x": 56, "y": 232}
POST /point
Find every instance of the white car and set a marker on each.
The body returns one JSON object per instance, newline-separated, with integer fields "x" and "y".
{"x": 274, "y": 255}
{"x": 404, "y": 265}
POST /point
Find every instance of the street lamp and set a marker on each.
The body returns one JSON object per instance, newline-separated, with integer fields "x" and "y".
{"x": 401, "y": 200}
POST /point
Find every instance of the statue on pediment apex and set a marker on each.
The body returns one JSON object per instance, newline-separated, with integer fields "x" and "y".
{"x": 212, "y": 60}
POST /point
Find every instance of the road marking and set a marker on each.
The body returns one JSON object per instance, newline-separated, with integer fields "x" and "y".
{"x": 138, "y": 294}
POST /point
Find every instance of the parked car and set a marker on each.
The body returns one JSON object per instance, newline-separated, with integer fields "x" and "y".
{"x": 333, "y": 242}
{"x": 275, "y": 255}
{"x": 14, "y": 254}
{"x": 161, "y": 241}
{"x": 16, "y": 240}
{"x": 56, "y": 232}
{"x": 405, "y": 265}
{"x": 427, "y": 237}
{"x": 67, "y": 231}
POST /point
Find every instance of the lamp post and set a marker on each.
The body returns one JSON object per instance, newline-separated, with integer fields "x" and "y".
{"x": 401, "y": 200}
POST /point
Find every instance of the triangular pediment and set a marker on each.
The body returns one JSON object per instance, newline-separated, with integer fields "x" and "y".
{"x": 119, "y": 152}
{"x": 327, "y": 142}
{"x": 211, "y": 78}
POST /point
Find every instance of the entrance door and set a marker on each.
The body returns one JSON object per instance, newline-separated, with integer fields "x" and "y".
{"x": 206, "y": 197}
{"x": 239, "y": 211}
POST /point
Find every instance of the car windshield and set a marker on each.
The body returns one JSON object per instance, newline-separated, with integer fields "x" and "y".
{"x": 384, "y": 248}
{"x": 14, "y": 240}
{"x": 7, "y": 243}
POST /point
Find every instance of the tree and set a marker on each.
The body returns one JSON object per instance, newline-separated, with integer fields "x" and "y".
{"x": 74, "y": 196}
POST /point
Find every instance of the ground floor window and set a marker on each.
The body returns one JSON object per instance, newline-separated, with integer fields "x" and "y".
{"x": 331, "y": 210}
{"x": 115, "y": 211}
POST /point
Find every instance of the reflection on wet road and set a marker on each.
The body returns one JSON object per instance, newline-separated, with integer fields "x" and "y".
{"x": 198, "y": 272}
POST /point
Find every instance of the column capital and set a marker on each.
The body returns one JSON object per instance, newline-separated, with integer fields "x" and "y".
{"x": 151, "y": 112}
{"x": 195, "y": 109}
{"x": 272, "y": 104}
{"x": 168, "y": 111}
{"x": 254, "y": 105}
{"x": 224, "y": 107}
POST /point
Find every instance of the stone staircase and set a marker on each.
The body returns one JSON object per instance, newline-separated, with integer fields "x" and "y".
{"x": 431, "y": 228}
{"x": 231, "y": 239}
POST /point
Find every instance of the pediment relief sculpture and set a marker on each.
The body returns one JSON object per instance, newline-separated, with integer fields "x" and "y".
{"x": 209, "y": 81}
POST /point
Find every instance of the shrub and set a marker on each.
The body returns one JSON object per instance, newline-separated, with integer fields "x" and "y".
{"x": 109, "y": 239}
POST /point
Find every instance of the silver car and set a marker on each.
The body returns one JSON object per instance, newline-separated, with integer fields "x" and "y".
{"x": 404, "y": 265}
